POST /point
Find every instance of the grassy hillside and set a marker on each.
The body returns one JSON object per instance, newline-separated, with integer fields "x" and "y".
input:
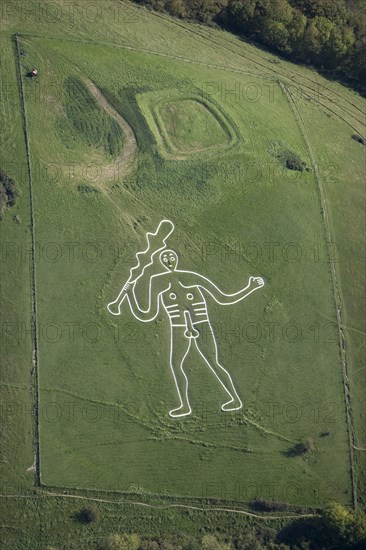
{"x": 16, "y": 357}
{"x": 200, "y": 129}
{"x": 207, "y": 207}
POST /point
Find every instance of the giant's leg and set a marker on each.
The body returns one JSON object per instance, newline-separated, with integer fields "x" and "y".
{"x": 179, "y": 348}
{"x": 207, "y": 347}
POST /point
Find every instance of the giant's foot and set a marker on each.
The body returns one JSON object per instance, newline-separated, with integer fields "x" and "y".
{"x": 233, "y": 405}
{"x": 183, "y": 410}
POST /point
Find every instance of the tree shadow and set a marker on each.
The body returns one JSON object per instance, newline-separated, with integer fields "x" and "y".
{"x": 86, "y": 515}
{"x": 301, "y": 448}
{"x": 296, "y": 450}
{"x": 301, "y": 532}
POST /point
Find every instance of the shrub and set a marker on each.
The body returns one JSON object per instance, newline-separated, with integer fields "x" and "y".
{"x": 287, "y": 158}
{"x": 87, "y": 515}
{"x": 343, "y": 527}
{"x": 304, "y": 447}
{"x": 336, "y": 528}
{"x": 3, "y": 201}
{"x": 359, "y": 139}
{"x": 87, "y": 189}
{"x": 294, "y": 162}
{"x": 122, "y": 541}
{"x": 8, "y": 192}
{"x": 210, "y": 542}
{"x": 263, "y": 505}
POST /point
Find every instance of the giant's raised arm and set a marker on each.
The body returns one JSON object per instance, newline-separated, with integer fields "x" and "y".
{"x": 155, "y": 241}
{"x": 223, "y": 298}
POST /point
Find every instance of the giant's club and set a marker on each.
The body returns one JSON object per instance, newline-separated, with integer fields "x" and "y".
{"x": 164, "y": 229}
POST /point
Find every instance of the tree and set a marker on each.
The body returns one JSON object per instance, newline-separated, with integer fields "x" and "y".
{"x": 205, "y": 10}
{"x": 317, "y": 34}
{"x": 248, "y": 541}
{"x": 297, "y": 31}
{"x": 275, "y": 22}
{"x": 343, "y": 528}
{"x": 331, "y": 9}
{"x": 241, "y": 12}
{"x": 122, "y": 541}
{"x": 210, "y": 542}
{"x": 276, "y": 34}
{"x": 177, "y": 8}
{"x": 358, "y": 62}
{"x": 280, "y": 10}
{"x": 245, "y": 16}
{"x": 326, "y": 33}
{"x": 149, "y": 545}
{"x": 340, "y": 44}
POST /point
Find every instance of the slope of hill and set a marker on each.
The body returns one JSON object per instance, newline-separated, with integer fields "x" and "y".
{"x": 135, "y": 117}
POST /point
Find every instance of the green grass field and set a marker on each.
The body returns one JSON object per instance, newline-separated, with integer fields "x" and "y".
{"x": 210, "y": 134}
{"x": 187, "y": 125}
{"x": 185, "y": 122}
{"x": 85, "y": 120}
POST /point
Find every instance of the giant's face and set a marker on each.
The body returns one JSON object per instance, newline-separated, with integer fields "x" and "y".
{"x": 169, "y": 259}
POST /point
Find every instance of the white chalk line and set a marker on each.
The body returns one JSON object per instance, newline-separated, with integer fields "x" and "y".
{"x": 159, "y": 285}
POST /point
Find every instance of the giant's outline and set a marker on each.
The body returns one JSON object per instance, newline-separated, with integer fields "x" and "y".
{"x": 132, "y": 281}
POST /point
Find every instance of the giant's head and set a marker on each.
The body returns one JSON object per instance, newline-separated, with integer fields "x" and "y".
{"x": 169, "y": 259}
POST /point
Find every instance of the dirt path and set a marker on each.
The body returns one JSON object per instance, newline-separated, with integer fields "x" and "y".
{"x": 122, "y": 165}
{"x": 162, "y": 507}
{"x": 359, "y": 448}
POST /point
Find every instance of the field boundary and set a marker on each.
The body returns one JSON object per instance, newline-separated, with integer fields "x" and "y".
{"x": 33, "y": 320}
{"x": 337, "y": 299}
{"x": 35, "y": 370}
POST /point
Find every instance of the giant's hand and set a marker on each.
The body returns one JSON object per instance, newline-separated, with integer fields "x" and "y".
{"x": 127, "y": 288}
{"x": 255, "y": 283}
{"x": 115, "y": 307}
